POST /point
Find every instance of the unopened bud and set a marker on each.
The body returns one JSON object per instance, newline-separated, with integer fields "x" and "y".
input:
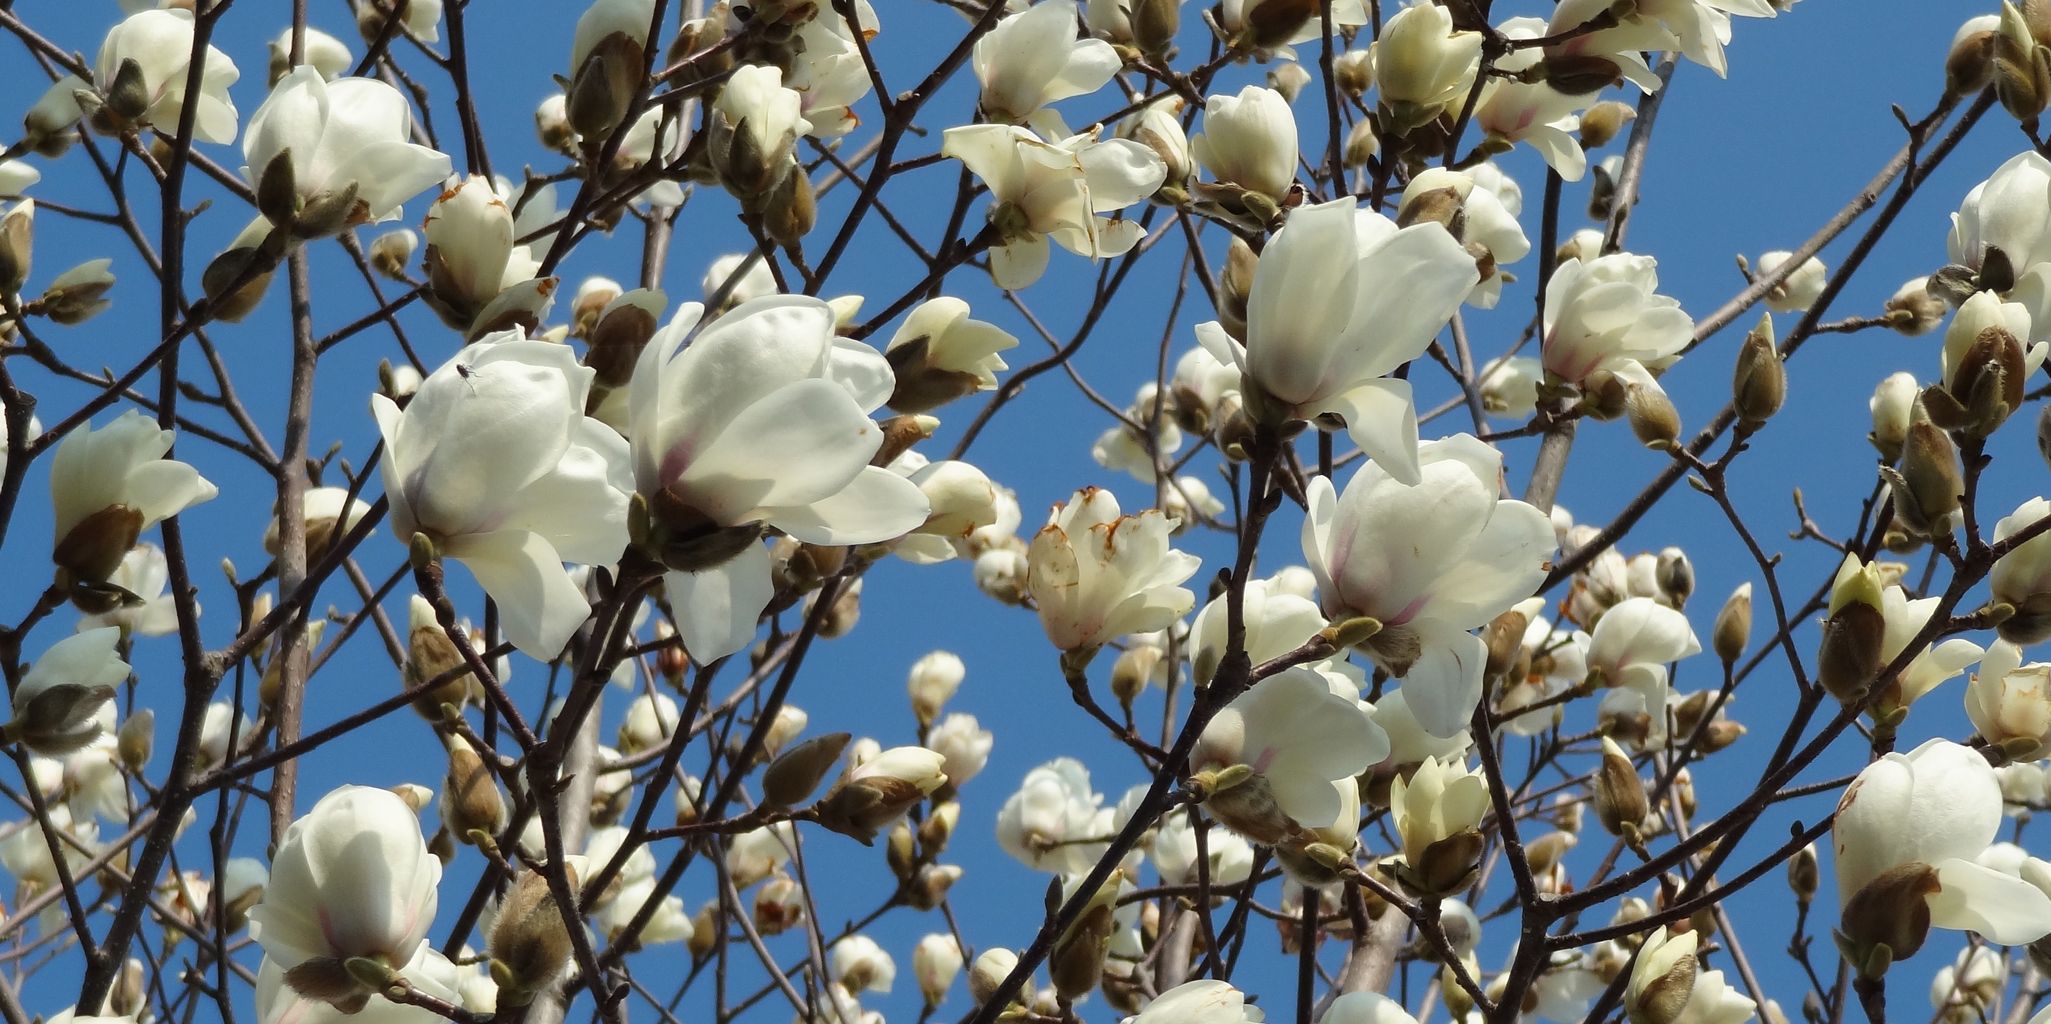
{"x": 1620, "y": 801}
{"x": 76, "y": 295}
{"x": 471, "y": 798}
{"x": 1759, "y": 387}
{"x": 704, "y": 931}
{"x": 792, "y": 777}
{"x": 1928, "y": 489}
{"x": 530, "y": 944}
{"x": 17, "y": 243}
{"x": 1733, "y": 629}
{"x": 392, "y": 252}
{"x": 1235, "y": 284}
{"x": 1888, "y": 918}
{"x": 1969, "y": 65}
{"x": 1914, "y": 310}
{"x": 2021, "y": 67}
{"x": 1803, "y": 875}
{"x": 136, "y": 738}
{"x": 1652, "y": 415}
{"x": 934, "y": 680}
{"x": 1601, "y": 122}
{"x": 779, "y": 905}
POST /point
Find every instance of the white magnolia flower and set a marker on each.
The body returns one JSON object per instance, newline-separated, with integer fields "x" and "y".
{"x": 353, "y": 878}
{"x": 1483, "y": 556}
{"x": 1033, "y": 58}
{"x": 1509, "y": 386}
{"x": 762, "y": 420}
{"x": 1303, "y": 745}
{"x": 1249, "y": 140}
{"x": 223, "y": 724}
{"x": 936, "y": 961}
{"x": 470, "y": 254}
{"x": 829, "y": 72}
{"x": 741, "y": 276}
{"x": 1534, "y": 113}
{"x": 144, "y": 573}
{"x": 1438, "y": 811}
{"x": 109, "y": 485}
{"x": 1174, "y": 854}
{"x": 859, "y": 964}
{"x": 1802, "y": 287}
{"x": 1199, "y": 1002}
{"x": 2022, "y": 578}
{"x": 329, "y": 514}
{"x": 494, "y": 461}
{"x": 933, "y": 681}
{"x": 938, "y": 354}
{"x": 1095, "y": 574}
{"x": 420, "y": 20}
{"x": 759, "y": 122}
{"x": 58, "y": 703}
{"x": 1981, "y": 313}
{"x": 351, "y": 133}
{"x": 1935, "y": 664}
{"x": 1053, "y": 191}
{"x": 755, "y": 855}
{"x": 1668, "y": 987}
{"x": 1323, "y": 333}
{"x": 325, "y": 53}
{"x": 1372, "y": 1007}
{"x": 278, "y": 1003}
{"x": 1604, "y": 314}
{"x": 1046, "y": 824}
{"x": 25, "y": 850}
{"x": 1965, "y": 990}
{"x": 1633, "y": 642}
{"x": 1906, "y": 835}
{"x": 1276, "y": 622}
{"x": 963, "y": 745}
{"x": 2010, "y": 703}
{"x": 1421, "y": 65}
{"x": 159, "y": 44}
{"x": 650, "y": 721}
{"x": 1485, "y": 221}
{"x": 1893, "y": 407}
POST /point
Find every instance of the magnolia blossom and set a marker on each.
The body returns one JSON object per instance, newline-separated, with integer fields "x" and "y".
{"x": 353, "y": 878}
{"x": 495, "y": 463}
{"x": 109, "y": 485}
{"x": 938, "y": 354}
{"x": 1534, "y": 113}
{"x": 2010, "y": 702}
{"x": 2002, "y": 232}
{"x": 1906, "y": 835}
{"x": 1053, "y": 191}
{"x": 58, "y": 701}
{"x": 829, "y": 71}
{"x": 759, "y": 122}
{"x": 1801, "y": 289}
{"x": 143, "y": 573}
{"x": 1043, "y": 825}
{"x": 351, "y": 134}
{"x": 1275, "y": 623}
{"x": 470, "y": 254}
{"x": 1983, "y": 319}
{"x": 420, "y": 19}
{"x": 2022, "y": 577}
{"x": 963, "y": 746}
{"x": 1270, "y": 27}
{"x": 157, "y": 44}
{"x": 1633, "y": 642}
{"x": 1249, "y": 140}
{"x": 1486, "y": 221}
{"x": 1932, "y": 665}
{"x": 1095, "y": 574}
{"x": 1033, "y": 58}
{"x": 1438, "y": 811}
{"x": 1428, "y": 562}
{"x": 1373, "y": 1007}
{"x": 1323, "y": 333}
{"x": 1174, "y": 853}
{"x": 936, "y": 960}
{"x": 1605, "y": 315}
{"x": 1667, "y": 985}
{"x": 761, "y": 421}
{"x": 1199, "y": 1002}
{"x": 1302, "y": 744}
{"x": 1422, "y": 66}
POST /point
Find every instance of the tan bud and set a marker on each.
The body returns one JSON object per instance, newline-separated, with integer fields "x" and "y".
{"x": 1602, "y": 121}
{"x": 1928, "y": 489}
{"x": 1619, "y": 794}
{"x": 529, "y": 944}
{"x": 1505, "y": 641}
{"x": 472, "y": 795}
{"x": 1733, "y": 629}
{"x": 792, "y": 777}
{"x": 1969, "y": 66}
{"x": 1850, "y": 655}
{"x": 704, "y": 931}
{"x": 1653, "y": 417}
{"x": 136, "y": 738}
{"x": 1803, "y": 874}
{"x": 1759, "y": 386}
{"x": 1888, "y": 918}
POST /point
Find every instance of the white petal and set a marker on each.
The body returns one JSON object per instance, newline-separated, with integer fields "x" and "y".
{"x": 717, "y": 608}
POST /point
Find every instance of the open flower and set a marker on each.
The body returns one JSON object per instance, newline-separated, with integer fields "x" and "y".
{"x": 1906, "y": 835}
{"x": 1486, "y": 219}
{"x": 109, "y": 485}
{"x": 1537, "y": 114}
{"x": 348, "y": 139}
{"x": 57, "y": 704}
{"x": 1323, "y": 331}
{"x": 938, "y": 354}
{"x": 1280, "y": 755}
{"x": 2002, "y": 231}
{"x": 1428, "y": 562}
{"x": 1045, "y": 825}
{"x": 1096, "y": 575}
{"x": 1604, "y": 315}
{"x": 144, "y": 573}
{"x": 1033, "y": 58}
{"x": 495, "y": 463}
{"x": 1421, "y": 65}
{"x": 1438, "y": 812}
{"x": 141, "y": 72}
{"x": 1633, "y": 642}
{"x": 353, "y": 878}
{"x": 2010, "y": 702}
{"x": 1053, "y": 191}
{"x": 1199, "y": 1002}
{"x": 761, "y": 421}
{"x": 470, "y": 254}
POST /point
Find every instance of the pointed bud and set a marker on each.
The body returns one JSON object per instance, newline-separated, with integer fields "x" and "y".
{"x": 470, "y": 797}
{"x": 1653, "y": 418}
{"x": 1804, "y": 876}
{"x": 795, "y": 774}
{"x": 136, "y": 738}
{"x": 1733, "y": 629}
{"x": 1852, "y": 634}
{"x": 1601, "y": 122}
{"x": 1929, "y": 489}
{"x": 1759, "y": 387}
{"x": 1620, "y": 801}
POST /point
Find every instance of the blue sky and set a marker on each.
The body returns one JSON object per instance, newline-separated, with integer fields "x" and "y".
{"x": 1740, "y": 166}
